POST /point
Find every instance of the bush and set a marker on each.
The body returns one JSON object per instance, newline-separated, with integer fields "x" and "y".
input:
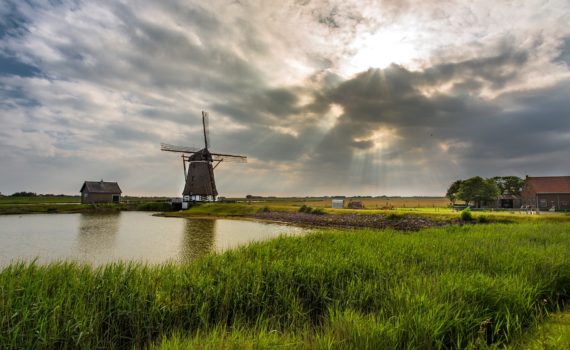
{"x": 483, "y": 219}
{"x": 466, "y": 215}
{"x": 305, "y": 209}
{"x": 318, "y": 211}
{"x": 154, "y": 206}
{"x": 265, "y": 209}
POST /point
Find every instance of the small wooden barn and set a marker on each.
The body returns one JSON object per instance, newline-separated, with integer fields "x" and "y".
{"x": 100, "y": 192}
{"x": 355, "y": 205}
{"x": 547, "y": 192}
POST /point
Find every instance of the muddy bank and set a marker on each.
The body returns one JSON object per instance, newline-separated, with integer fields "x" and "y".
{"x": 402, "y": 223}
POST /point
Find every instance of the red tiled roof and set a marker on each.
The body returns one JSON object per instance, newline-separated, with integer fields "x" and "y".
{"x": 549, "y": 184}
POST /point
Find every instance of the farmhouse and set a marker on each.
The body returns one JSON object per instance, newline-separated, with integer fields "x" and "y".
{"x": 100, "y": 192}
{"x": 547, "y": 192}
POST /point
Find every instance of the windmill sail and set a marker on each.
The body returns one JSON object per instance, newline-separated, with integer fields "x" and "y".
{"x": 180, "y": 149}
{"x": 206, "y": 126}
{"x": 229, "y": 158}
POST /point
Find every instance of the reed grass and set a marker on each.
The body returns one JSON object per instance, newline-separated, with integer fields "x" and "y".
{"x": 444, "y": 288}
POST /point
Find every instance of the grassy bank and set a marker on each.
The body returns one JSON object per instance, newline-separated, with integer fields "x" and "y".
{"x": 40, "y": 208}
{"x": 62, "y": 208}
{"x": 441, "y": 214}
{"x": 554, "y": 334}
{"x": 230, "y": 209}
{"x": 39, "y": 199}
{"x": 451, "y": 287}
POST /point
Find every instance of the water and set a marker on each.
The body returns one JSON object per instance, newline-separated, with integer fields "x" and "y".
{"x": 103, "y": 238}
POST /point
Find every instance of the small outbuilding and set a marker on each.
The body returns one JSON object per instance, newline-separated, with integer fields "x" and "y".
{"x": 355, "y": 205}
{"x": 337, "y": 203}
{"x": 100, "y": 192}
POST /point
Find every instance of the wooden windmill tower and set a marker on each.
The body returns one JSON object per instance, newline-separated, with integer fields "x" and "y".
{"x": 199, "y": 165}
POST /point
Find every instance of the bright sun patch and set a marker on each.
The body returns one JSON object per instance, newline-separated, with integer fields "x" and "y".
{"x": 381, "y": 49}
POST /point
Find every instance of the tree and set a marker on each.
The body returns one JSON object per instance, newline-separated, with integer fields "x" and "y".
{"x": 509, "y": 184}
{"x": 452, "y": 191}
{"x": 24, "y": 194}
{"x": 477, "y": 189}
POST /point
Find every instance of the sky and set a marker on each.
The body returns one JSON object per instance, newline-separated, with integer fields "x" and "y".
{"x": 349, "y": 97}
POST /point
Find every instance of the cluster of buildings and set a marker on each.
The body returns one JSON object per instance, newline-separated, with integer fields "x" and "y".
{"x": 538, "y": 192}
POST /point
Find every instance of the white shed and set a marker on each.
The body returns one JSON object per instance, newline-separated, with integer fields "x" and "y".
{"x": 338, "y": 203}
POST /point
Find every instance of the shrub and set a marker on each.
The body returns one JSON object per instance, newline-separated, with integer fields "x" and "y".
{"x": 154, "y": 206}
{"x": 318, "y": 211}
{"x": 483, "y": 219}
{"x": 466, "y": 215}
{"x": 265, "y": 209}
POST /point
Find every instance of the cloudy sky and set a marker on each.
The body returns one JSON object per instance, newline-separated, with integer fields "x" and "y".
{"x": 323, "y": 97}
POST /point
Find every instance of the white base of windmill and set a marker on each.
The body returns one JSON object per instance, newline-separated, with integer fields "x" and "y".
{"x": 186, "y": 200}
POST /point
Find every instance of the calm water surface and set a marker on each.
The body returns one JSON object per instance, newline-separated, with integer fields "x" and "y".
{"x": 102, "y": 238}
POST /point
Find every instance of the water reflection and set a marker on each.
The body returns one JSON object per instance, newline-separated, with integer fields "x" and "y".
{"x": 102, "y": 238}
{"x": 97, "y": 233}
{"x": 198, "y": 239}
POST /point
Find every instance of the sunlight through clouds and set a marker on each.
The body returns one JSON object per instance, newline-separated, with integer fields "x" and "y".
{"x": 367, "y": 94}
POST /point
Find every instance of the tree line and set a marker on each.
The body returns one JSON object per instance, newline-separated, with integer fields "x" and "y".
{"x": 478, "y": 189}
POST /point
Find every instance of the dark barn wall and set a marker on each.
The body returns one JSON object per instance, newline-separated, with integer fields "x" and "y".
{"x": 561, "y": 201}
{"x": 97, "y": 198}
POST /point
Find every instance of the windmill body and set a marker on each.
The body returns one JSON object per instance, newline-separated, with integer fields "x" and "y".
{"x": 200, "y": 184}
{"x": 199, "y": 165}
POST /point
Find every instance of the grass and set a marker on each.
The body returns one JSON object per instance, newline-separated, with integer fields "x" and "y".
{"x": 370, "y": 203}
{"x": 554, "y": 334}
{"x": 245, "y": 209}
{"x": 453, "y": 287}
{"x": 39, "y": 199}
{"x": 230, "y": 209}
{"x": 59, "y": 208}
{"x": 39, "y": 208}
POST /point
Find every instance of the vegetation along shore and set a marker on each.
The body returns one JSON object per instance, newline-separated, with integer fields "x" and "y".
{"x": 449, "y": 287}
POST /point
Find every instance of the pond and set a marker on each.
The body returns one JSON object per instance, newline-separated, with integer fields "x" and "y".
{"x": 139, "y": 236}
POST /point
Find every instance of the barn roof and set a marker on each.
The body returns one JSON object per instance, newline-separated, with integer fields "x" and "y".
{"x": 100, "y": 187}
{"x": 549, "y": 184}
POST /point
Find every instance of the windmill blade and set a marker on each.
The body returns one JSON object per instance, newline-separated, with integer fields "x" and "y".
{"x": 206, "y": 126}
{"x": 228, "y": 158}
{"x": 180, "y": 149}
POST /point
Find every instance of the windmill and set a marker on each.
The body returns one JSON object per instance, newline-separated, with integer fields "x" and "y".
{"x": 199, "y": 165}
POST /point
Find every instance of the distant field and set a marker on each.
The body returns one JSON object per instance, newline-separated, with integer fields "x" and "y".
{"x": 39, "y": 199}
{"x": 370, "y": 203}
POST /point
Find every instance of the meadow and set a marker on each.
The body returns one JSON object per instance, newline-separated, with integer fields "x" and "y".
{"x": 472, "y": 286}
{"x": 368, "y": 202}
{"x": 71, "y": 204}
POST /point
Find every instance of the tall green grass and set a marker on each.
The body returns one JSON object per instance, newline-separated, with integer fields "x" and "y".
{"x": 452, "y": 287}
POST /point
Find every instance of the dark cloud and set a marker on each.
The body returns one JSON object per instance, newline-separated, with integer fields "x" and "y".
{"x": 564, "y": 55}
{"x": 12, "y": 66}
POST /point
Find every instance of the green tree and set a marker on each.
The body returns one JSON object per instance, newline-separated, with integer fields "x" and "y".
{"x": 452, "y": 191}
{"x": 478, "y": 189}
{"x": 24, "y": 194}
{"x": 509, "y": 184}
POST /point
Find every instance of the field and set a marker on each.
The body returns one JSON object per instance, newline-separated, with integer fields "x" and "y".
{"x": 71, "y": 204}
{"x": 245, "y": 209}
{"x": 370, "y": 203}
{"x": 440, "y": 288}
{"x": 39, "y": 200}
